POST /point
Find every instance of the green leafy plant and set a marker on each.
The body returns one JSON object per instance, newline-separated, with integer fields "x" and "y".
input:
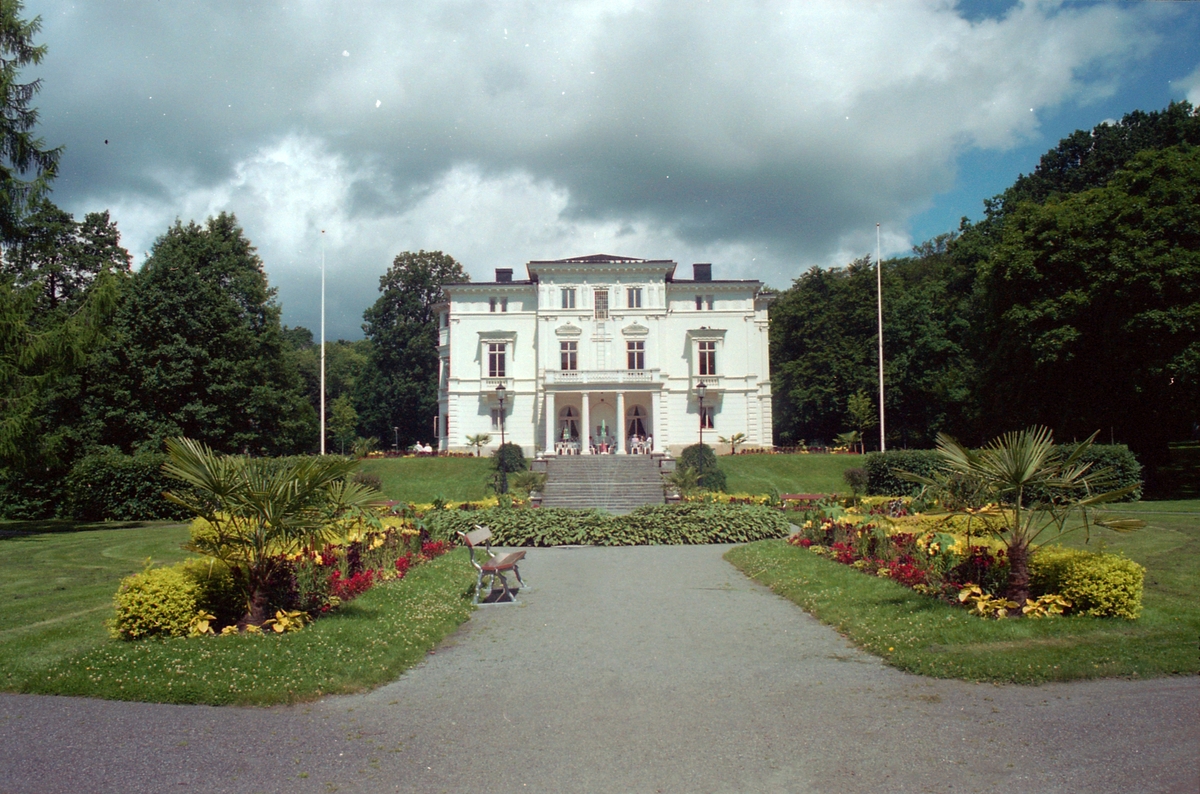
{"x": 1101, "y": 585}
{"x": 703, "y": 460}
{"x": 479, "y": 440}
{"x": 156, "y": 602}
{"x": 256, "y": 514}
{"x": 733, "y": 441}
{"x": 856, "y": 478}
{"x": 526, "y": 482}
{"x": 1030, "y": 487}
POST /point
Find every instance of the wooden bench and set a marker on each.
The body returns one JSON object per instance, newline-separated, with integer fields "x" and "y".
{"x": 495, "y": 565}
{"x": 803, "y": 499}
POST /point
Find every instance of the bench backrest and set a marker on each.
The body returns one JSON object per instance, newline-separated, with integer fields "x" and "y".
{"x": 477, "y": 536}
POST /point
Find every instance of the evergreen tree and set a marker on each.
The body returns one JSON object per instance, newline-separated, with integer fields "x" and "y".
{"x": 197, "y": 351}
{"x": 26, "y": 165}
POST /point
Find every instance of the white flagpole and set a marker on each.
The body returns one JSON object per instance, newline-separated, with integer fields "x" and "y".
{"x": 322, "y": 341}
{"x": 879, "y": 294}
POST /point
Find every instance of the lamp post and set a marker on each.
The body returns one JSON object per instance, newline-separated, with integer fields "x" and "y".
{"x": 500, "y": 393}
{"x": 701, "y": 390}
{"x": 396, "y": 439}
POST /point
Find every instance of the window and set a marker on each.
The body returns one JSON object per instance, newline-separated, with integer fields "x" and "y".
{"x": 633, "y": 297}
{"x": 496, "y": 418}
{"x": 570, "y": 360}
{"x": 704, "y": 302}
{"x": 601, "y": 304}
{"x": 706, "y": 417}
{"x": 636, "y": 352}
{"x": 708, "y": 358}
{"x": 496, "y": 352}
{"x": 568, "y": 297}
{"x": 699, "y": 303}
{"x": 504, "y": 304}
{"x": 494, "y": 302}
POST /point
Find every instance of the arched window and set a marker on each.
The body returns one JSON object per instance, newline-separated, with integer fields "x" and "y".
{"x": 636, "y": 420}
{"x": 568, "y": 424}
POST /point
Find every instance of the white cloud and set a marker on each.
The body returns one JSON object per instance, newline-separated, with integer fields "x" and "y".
{"x": 763, "y": 137}
{"x": 1190, "y": 85}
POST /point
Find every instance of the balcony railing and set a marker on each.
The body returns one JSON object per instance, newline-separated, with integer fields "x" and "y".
{"x": 490, "y": 384}
{"x": 590, "y": 377}
{"x": 711, "y": 382}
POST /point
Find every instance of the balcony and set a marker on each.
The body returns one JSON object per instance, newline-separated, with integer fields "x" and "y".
{"x": 600, "y": 377}
{"x": 490, "y": 384}
{"x": 443, "y": 336}
{"x": 711, "y": 382}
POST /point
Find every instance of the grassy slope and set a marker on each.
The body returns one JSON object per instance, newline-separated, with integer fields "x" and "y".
{"x": 924, "y": 636}
{"x": 787, "y": 473}
{"x": 421, "y": 480}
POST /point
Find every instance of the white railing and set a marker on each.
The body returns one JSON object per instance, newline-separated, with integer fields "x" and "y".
{"x": 709, "y": 381}
{"x": 569, "y": 377}
{"x": 490, "y": 384}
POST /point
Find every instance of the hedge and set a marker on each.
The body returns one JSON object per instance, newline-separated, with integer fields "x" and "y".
{"x": 26, "y": 497}
{"x": 687, "y": 523}
{"x": 109, "y": 485}
{"x": 883, "y": 467}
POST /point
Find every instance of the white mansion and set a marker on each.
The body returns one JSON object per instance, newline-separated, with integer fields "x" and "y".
{"x": 604, "y": 354}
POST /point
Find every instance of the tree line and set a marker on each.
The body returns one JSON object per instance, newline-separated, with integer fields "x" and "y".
{"x": 1074, "y": 303}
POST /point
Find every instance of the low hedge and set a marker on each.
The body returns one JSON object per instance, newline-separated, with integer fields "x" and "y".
{"x": 1101, "y": 585}
{"x": 109, "y": 485}
{"x": 158, "y": 602}
{"x": 680, "y": 524}
{"x": 883, "y": 468}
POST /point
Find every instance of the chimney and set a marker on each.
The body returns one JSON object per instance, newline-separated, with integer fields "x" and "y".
{"x": 504, "y": 275}
{"x": 702, "y": 271}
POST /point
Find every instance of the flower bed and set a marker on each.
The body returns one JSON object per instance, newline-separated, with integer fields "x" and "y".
{"x": 203, "y": 597}
{"x": 949, "y": 567}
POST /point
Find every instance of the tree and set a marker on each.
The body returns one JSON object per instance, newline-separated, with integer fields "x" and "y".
{"x": 197, "y": 350}
{"x": 258, "y": 513}
{"x": 862, "y": 414}
{"x": 398, "y": 387}
{"x": 60, "y": 258}
{"x": 26, "y": 166}
{"x": 479, "y": 440}
{"x": 343, "y": 421}
{"x": 733, "y": 441}
{"x": 1091, "y": 308}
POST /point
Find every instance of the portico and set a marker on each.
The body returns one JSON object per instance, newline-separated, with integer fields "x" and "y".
{"x": 612, "y": 420}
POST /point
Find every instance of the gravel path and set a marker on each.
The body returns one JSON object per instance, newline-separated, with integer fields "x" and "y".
{"x": 630, "y": 669}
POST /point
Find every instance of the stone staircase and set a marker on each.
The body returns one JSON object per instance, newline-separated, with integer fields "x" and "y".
{"x": 615, "y": 483}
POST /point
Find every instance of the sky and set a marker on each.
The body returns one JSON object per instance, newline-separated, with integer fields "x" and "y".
{"x": 764, "y": 137}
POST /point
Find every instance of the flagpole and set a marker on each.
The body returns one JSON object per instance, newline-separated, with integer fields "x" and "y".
{"x": 322, "y": 341}
{"x": 879, "y": 295}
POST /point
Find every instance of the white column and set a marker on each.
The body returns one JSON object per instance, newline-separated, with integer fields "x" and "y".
{"x": 587, "y": 424}
{"x": 620, "y": 423}
{"x": 550, "y": 415}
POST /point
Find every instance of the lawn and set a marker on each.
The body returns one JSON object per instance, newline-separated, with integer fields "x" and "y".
{"x": 58, "y": 588}
{"x": 756, "y": 474}
{"x": 421, "y": 480}
{"x": 925, "y": 636}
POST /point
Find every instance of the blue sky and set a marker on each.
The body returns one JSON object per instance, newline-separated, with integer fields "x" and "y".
{"x": 765, "y": 138}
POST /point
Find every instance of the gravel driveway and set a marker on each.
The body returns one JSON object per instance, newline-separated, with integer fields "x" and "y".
{"x": 656, "y": 669}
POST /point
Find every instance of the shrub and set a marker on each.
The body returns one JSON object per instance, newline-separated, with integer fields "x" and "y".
{"x": 29, "y": 496}
{"x": 219, "y": 594}
{"x": 856, "y": 478}
{"x": 883, "y": 467}
{"x": 688, "y": 523}
{"x": 155, "y": 602}
{"x": 703, "y": 460}
{"x": 109, "y": 485}
{"x": 367, "y": 479}
{"x": 1126, "y": 469}
{"x": 1102, "y": 585}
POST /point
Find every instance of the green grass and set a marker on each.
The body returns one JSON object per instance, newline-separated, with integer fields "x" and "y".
{"x": 421, "y": 480}
{"x": 925, "y": 636}
{"x": 756, "y": 474}
{"x": 58, "y": 588}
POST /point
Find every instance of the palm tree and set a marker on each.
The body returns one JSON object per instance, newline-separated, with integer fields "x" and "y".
{"x": 1023, "y": 485}
{"x": 479, "y": 440}
{"x": 733, "y": 441}
{"x": 258, "y": 513}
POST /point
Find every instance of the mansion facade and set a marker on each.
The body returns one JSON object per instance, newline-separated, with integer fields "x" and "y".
{"x": 603, "y": 354}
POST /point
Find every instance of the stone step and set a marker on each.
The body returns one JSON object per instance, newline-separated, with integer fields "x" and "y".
{"x": 615, "y": 483}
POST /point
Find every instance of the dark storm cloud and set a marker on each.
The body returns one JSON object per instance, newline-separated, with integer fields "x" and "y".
{"x": 766, "y": 137}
